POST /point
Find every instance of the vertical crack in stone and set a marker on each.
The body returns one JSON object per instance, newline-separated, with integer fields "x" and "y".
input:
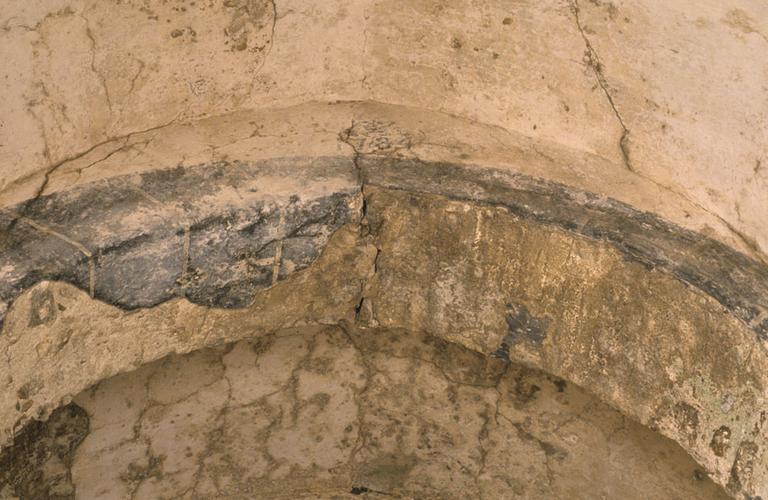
{"x": 131, "y": 477}
{"x": 370, "y": 371}
{"x": 213, "y": 437}
{"x": 484, "y": 438}
{"x": 185, "y": 257}
{"x": 345, "y": 136}
{"x": 277, "y": 260}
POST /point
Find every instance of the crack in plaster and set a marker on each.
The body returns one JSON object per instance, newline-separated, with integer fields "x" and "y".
{"x": 592, "y": 60}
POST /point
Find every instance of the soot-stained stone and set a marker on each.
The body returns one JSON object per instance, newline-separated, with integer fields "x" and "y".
{"x": 234, "y": 213}
{"x": 225, "y": 266}
{"x": 208, "y": 232}
{"x": 521, "y": 327}
{"x": 230, "y": 257}
{"x": 142, "y": 274}
{"x": 43, "y": 307}
{"x": 298, "y": 253}
{"x": 38, "y": 463}
{"x": 28, "y": 256}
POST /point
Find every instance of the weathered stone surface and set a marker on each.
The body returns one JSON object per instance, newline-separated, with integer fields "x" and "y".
{"x": 731, "y": 278}
{"x": 672, "y": 93}
{"x": 39, "y": 463}
{"x": 639, "y": 338}
{"x": 190, "y": 232}
{"x": 214, "y": 233}
{"x": 82, "y": 344}
{"x": 481, "y": 274}
{"x": 576, "y": 185}
{"x": 332, "y": 413}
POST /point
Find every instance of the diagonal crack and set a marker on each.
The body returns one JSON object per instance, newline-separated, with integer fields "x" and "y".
{"x": 76, "y": 244}
{"x": 364, "y": 302}
{"x": 593, "y": 61}
{"x": 53, "y": 168}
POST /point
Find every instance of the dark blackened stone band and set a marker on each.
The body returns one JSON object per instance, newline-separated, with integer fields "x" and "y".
{"x": 217, "y": 233}
{"x": 213, "y": 233}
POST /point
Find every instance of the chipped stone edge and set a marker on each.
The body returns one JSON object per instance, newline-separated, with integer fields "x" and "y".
{"x": 738, "y": 282}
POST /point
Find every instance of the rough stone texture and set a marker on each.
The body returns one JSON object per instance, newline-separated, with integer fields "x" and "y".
{"x": 475, "y": 274}
{"x": 213, "y": 234}
{"x": 670, "y": 97}
{"x": 329, "y": 413}
{"x": 575, "y": 185}
{"x": 737, "y": 282}
{"x": 592, "y": 316}
{"x": 39, "y": 463}
{"x": 81, "y": 341}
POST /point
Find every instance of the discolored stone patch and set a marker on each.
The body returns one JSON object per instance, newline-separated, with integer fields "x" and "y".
{"x": 38, "y": 463}
{"x": 521, "y": 327}
{"x": 213, "y": 234}
{"x": 581, "y": 286}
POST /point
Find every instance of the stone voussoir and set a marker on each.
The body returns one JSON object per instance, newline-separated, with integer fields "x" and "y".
{"x": 217, "y": 234}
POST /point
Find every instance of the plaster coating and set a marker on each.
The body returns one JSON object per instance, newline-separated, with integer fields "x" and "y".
{"x": 338, "y": 413}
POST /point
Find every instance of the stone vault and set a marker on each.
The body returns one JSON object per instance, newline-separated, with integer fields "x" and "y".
{"x": 435, "y": 250}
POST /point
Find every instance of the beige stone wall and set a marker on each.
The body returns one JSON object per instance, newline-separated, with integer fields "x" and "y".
{"x": 580, "y": 186}
{"x": 342, "y": 413}
{"x": 664, "y": 98}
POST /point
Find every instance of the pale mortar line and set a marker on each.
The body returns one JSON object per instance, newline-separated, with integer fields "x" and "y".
{"x": 185, "y": 257}
{"x": 79, "y": 246}
{"x": 45, "y": 229}
{"x": 758, "y": 320}
{"x": 91, "y": 277}
{"x": 143, "y": 193}
{"x": 478, "y": 228}
{"x": 278, "y": 251}
{"x": 264, "y": 262}
{"x": 276, "y": 261}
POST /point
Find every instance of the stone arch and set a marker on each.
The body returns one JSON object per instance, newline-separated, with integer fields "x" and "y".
{"x": 357, "y": 225}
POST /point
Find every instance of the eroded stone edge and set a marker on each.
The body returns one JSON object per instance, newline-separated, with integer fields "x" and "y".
{"x": 736, "y": 281}
{"x": 208, "y": 233}
{"x": 729, "y": 277}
